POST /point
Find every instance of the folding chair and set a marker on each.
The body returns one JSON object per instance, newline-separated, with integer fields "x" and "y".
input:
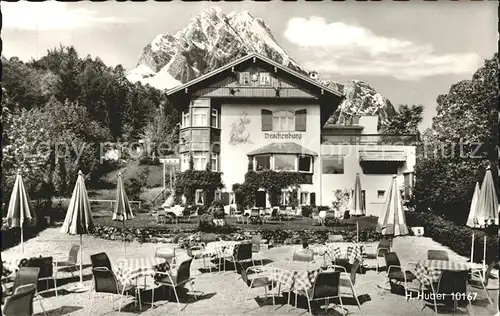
{"x": 68, "y": 262}
{"x": 325, "y": 286}
{"x": 259, "y": 280}
{"x": 175, "y": 281}
{"x": 21, "y": 302}
{"x": 450, "y": 283}
{"x": 27, "y": 275}
{"x": 395, "y": 271}
{"x": 479, "y": 282}
{"x": 305, "y": 255}
{"x": 100, "y": 260}
{"x": 46, "y": 266}
{"x": 437, "y": 255}
{"x": 105, "y": 282}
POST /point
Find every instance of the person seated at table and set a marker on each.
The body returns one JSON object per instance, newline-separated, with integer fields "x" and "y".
{"x": 305, "y": 244}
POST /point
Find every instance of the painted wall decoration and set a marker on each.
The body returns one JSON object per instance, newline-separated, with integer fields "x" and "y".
{"x": 239, "y": 133}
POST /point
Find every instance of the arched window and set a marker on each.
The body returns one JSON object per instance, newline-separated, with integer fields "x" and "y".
{"x": 284, "y": 121}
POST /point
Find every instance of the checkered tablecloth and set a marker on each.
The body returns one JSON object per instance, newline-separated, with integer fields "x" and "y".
{"x": 130, "y": 269}
{"x": 221, "y": 248}
{"x": 428, "y": 271}
{"x": 293, "y": 275}
{"x": 350, "y": 251}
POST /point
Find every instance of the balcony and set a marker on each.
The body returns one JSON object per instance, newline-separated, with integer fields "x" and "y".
{"x": 372, "y": 139}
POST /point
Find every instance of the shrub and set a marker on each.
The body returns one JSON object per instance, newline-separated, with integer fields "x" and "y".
{"x": 457, "y": 237}
{"x": 306, "y": 210}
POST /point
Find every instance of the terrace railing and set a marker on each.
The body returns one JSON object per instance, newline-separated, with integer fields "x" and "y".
{"x": 365, "y": 139}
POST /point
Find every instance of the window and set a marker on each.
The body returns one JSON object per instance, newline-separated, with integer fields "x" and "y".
{"x": 304, "y": 198}
{"x": 199, "y": 140}
{"x": 267, "y": 120}
{"x": 185, "y": 162}
{"x": 283, "y": 121}
{"x": 300, "y": 120}
{"x": 379, "y": 167}
{"x": 275, "y": 82}
{"x": 333, "y": 165}
{"x": 284, "y": 163}
{"x": 244, "y": 78}
{"x": 312, "y": 199}
{"x": 380, "y": 194}
{"x": 200, "y": 160}
{"x": 185, "y": 119}
{"x": 200, "y": 116}
{"x": 215, "y": 118}
{"x": 305, "y": 163}
{"x": 264, "y": 79}
{"x": 198, "y": 196}
{"x": 214, "y": 161}
{"x": 285, "y": 197}
{"x": 262, "y": 163}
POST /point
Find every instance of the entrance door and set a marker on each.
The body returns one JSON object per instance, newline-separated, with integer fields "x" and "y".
{"x": 260, "y": 199}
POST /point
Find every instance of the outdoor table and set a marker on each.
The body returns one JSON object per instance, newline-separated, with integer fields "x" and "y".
{"x": 223, "y": 248}
{"x": 426, "y": 270}
{"x": 350, "y": 251}
{"x": 130, "y": 269}
{"x": 293, "y": 275}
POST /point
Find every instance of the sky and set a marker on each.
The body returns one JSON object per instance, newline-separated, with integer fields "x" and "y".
{"x": 410, "y": 52}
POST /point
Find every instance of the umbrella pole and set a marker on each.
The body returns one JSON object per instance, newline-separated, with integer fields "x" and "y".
{"x": 124, "y": 241}
{"x": 472, "y": 250}
{"x": 357, "y": 231}
{"x": 81, "y": 259}
{"x": 22, "y": 240}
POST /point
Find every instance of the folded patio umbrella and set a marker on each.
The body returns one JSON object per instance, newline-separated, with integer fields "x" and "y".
{"x": 78, "y": 221}
{"x": 20, "y": 211}
{"x": 356, "y": 204}
{"x": 471, "y": 220}
{"x": 487, "y": 202}
{"x": 392, "y": 221}
{"x": 122, "y": 211}
{"x": 473, "y": 207}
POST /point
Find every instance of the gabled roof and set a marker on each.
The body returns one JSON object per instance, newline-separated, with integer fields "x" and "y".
{"x": 264, "y": 59}
{"x": 282, "y": 148}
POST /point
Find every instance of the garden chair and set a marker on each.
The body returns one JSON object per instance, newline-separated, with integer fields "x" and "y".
{"x": 167, "y": 253}
{"x": 384, "y": 247}
{"x": 176, "y": 280}
{"x": 437, "y": 255}
{"x": 315, "y": 216}
{"x": 256, "y": 240}
{"x": 200, "y": 255}
{"x": 100, "y": 260}
{"x": 105, "y": 282}
{"x": 260, "y": 279}
{"x": 47, "y": 268}
{"x": 21, "y": 302}
{"x": 242, "y": 253}
{"x": 305, "y": 255}
{"x": 395, "y": 271}
{"x": 479, "y": 282}
{"x": 255, "y": 216}
{"x": 325, "y": 286}
{"x": 450, "y": 283}
{"x": 351, "y": 281}
{"x": 70, "y": 261}
{"x": 26, "y": 275}
{"x": 193, "y": 213}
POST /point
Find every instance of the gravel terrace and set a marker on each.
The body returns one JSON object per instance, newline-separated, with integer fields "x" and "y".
{"x": 223, "y": 292}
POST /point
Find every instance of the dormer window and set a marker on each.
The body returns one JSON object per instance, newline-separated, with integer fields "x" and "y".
{"x": 265, "y": 79}
{"x": 244, "y": 78}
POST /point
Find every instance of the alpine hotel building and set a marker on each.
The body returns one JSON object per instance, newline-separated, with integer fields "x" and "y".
{"x": 257, "y": 110}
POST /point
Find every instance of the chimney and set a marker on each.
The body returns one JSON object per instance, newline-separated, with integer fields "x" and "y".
{"x": 355, "y": 119}
{"x": 370, "y": 124}
{"x": 313, "y": 75}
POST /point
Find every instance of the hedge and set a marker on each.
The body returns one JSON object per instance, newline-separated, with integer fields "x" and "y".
{"x": 458, "y": 238}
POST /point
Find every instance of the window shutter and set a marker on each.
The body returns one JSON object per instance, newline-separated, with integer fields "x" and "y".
{"x": 267, "y": 120}
{"x": 312, "y": 199}
{"x": 300, "y": 120}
